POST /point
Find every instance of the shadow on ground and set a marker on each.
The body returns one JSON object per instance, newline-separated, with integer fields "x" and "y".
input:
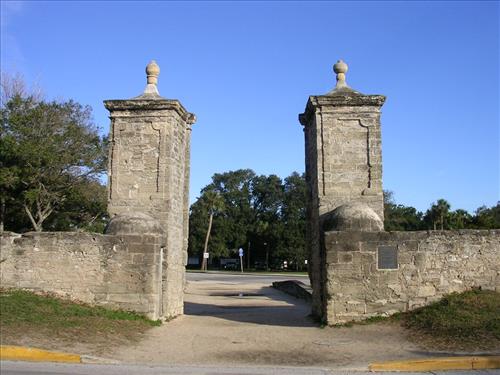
{"x": 265, "y": 306}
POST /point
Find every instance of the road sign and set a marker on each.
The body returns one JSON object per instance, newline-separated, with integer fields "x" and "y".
{"x": 240, "y": 251}
{"x": 205, "y": 255}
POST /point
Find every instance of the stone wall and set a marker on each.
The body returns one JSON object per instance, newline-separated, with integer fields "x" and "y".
{"x": 123, "y": 272}
{"x": 429, "y": 265}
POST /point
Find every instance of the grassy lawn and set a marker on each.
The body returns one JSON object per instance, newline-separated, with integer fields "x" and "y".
{"x": 469, "y": 319}
{"x": 29, "y": 318}
{"x": 459, "y": 321}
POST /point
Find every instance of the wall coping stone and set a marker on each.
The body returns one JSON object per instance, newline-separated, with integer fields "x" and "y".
{"x": 346, "y": 99}
{"x": 150, "y": 104}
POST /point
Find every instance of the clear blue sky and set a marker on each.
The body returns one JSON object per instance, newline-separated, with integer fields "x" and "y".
{"x": 246, "y": 70}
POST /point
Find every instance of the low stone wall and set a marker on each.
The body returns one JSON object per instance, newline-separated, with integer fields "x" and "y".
{"x": 119, "y": 271}
{"x": 427, "y": 266}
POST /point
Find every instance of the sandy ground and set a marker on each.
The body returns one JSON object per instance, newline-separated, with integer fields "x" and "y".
{"x": 256, "y": 324}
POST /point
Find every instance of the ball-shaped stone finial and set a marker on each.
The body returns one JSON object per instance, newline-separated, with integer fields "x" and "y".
{"x": 340, "y": 68}
{"x": 152, "y": 72}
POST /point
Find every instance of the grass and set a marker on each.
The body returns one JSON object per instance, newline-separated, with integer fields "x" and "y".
{"x": 25, "y": 315}
{"x": 468, "y": 320}
{"x": 472, "y": 315}
{"x": 18, "y": 306}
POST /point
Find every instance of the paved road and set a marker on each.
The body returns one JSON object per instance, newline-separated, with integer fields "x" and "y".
{"x": 26, "y": 368}
{"x": 245, "y": 278}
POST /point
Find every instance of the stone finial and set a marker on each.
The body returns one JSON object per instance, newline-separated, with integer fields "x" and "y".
{"x": 152, "y": 72}
{"x": 340, "y": 68}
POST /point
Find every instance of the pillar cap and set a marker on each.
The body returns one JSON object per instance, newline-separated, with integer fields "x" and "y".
{"x": 341, "y": 96}
{"x": 149, "y": 100}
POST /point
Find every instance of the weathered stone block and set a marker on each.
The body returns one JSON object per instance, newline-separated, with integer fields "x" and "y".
{"x": 344, "y": 258}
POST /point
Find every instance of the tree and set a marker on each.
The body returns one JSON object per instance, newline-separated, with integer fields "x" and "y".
{"x": 214, "y": 203}
{"x": 438, "y": 214}
{"x": 459, "y": 219}
{"x": 84, "y": 209}
{"x": 486, "y": 218}
{"x": 267, "y": 229}
{"x": 235, "y": 188}
{"x": 294, "y": 219}
{"x": 47, "y": 150}
{"x": 262, "y": 210}
{"x": 398, "y": 217}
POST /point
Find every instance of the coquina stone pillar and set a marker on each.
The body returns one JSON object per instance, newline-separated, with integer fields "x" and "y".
{"x": 149, "y": 155}
{"x": 343, "y": 163}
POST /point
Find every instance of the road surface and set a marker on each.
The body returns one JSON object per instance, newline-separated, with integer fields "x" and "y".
{"x": 27, "y": 368}
{"x": 244, "y": 278}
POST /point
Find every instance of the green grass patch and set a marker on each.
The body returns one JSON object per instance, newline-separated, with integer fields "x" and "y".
{"x": 474, "y": 314}
{"x": 44, "y": 318}
{"x": 23, "y": 306}
{"x": 462, "y": 321}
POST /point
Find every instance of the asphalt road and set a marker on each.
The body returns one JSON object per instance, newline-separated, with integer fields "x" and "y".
{"x": 28, "y": 368}
{"x": 244, "y": 278}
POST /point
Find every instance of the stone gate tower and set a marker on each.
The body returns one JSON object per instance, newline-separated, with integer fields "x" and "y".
{"x": 343, "y": 163}
{"x": 148, "y": 173}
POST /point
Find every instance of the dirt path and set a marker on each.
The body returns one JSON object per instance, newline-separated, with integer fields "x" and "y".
{"x": 255, "y": 324}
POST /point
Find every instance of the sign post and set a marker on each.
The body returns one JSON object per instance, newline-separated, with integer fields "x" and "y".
{"x": 240, "y": 252}
{"x": 205, "y": 261}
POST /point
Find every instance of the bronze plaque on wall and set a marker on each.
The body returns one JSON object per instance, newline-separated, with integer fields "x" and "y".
{"x": 387, "y": 258}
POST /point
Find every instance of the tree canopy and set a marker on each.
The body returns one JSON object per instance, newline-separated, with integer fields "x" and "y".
{"x": 51, "y": 157}
{"x": 439, "y": 216}
{"x": 261, "y": 214}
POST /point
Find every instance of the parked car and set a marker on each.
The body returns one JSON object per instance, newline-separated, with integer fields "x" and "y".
{"x": 230, "y": 264}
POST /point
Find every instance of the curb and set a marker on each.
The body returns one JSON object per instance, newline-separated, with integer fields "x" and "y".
{"x": 21, "y": 353}
{"x": 443, "y": 363}
{"x": 294, "y": 288}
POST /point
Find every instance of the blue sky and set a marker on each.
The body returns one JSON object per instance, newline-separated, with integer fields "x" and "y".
{"x": 246, "y": 70}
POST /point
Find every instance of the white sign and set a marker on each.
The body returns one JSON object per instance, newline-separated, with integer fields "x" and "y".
{"x": 205, "y": 255}
{"x": 240, "y": 251}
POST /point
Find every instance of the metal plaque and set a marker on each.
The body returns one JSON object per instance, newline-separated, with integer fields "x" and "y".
{"x": 387, "y": 258}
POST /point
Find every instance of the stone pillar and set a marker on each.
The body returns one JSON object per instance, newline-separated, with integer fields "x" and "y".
{"x": 149, "y": 172}
{"x": 343, "y": 162}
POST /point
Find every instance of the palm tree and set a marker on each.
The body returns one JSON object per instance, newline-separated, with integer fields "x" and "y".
{"x": 460, "y": 219}
{"x": 214, "y": 204}
{"x": 441, "y": 209}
